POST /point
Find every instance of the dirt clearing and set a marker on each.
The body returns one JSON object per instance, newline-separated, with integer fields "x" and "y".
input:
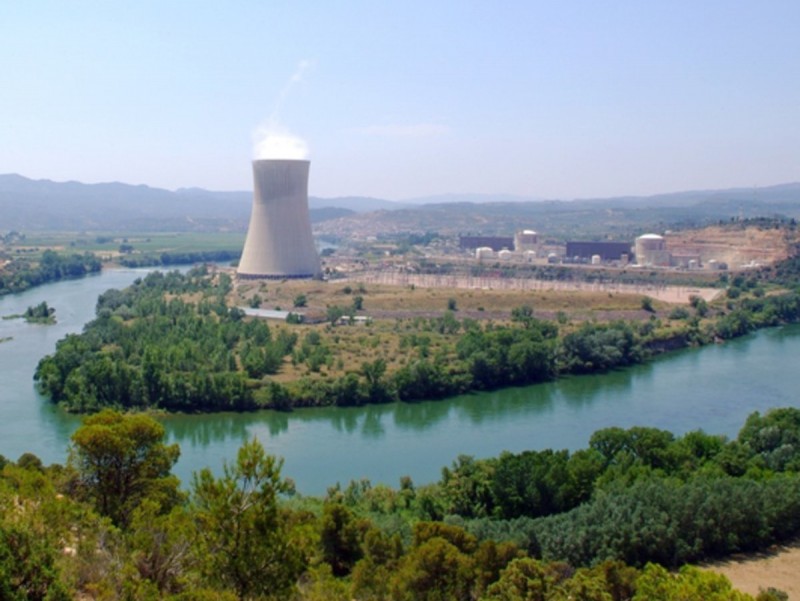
{"x": 778, "y": 568}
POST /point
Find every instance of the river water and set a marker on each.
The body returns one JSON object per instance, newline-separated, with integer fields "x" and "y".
{"x": 714, "y": 389}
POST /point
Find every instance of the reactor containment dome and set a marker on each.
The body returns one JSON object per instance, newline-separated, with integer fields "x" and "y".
{"x": 279, "y": 243}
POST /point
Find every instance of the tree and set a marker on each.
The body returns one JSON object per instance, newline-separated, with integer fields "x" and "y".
{"x": 121, "y": 459}
{"x": 160, "y": 545}
{"x": 335, "y": 313}
{"x": 340, "y": 539}
{"x": 28, "y": 567}
{"x": 372, "y": 574}
{"x": 524, "y": 578}
{"x": 435, "y": 570}
{"x": 690, "y": 584}
{"x": 523, "y": 315}
{"x": 243, "y": 537}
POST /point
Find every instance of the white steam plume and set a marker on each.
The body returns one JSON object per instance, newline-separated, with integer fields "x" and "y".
{"x": 271, "y": 140}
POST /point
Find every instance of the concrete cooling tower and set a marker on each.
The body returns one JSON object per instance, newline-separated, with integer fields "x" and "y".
{"x": 279, "y": 243}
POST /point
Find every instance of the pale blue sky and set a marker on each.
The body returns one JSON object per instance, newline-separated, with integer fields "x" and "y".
{"x": 402, "y": 99}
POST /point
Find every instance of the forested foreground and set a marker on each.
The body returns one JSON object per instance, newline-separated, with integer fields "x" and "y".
{"x": 171, "y": 342}
{"x": 611, "y": 522}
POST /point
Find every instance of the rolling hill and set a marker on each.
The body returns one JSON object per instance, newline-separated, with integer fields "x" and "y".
{"x": 37, "y": 205}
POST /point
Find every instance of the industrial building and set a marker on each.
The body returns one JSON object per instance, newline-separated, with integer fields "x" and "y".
{"x": 496, "y": 243}
{"x": 526, "y": 240}
{"x": 483, "y": 253}
{"x": 651, "y": 250}
{"x": 279, "y": 243}
{"x": 607, "y": 251}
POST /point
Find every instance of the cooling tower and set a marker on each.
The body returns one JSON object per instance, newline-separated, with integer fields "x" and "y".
{"x": 279, "y": 243}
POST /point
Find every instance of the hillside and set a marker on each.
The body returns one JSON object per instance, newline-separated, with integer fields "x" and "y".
{"x": 556, "y": 220}
{"x": 42, "y": 205}
{"x": 735, "y": 244}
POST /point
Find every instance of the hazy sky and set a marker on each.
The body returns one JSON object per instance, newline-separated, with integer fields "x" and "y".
{"x": 552, "y": 99}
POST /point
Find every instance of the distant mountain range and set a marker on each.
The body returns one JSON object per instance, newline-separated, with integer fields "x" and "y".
{"x": 29, "y": 205}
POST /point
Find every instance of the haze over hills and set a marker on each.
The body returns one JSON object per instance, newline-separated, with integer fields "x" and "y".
{"x": 29, "y": 205}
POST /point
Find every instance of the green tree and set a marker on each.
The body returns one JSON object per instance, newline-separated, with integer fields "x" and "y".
{"x": 523, "y": 315}
{"x": 120, "y": 460}
{"x": 334, "y": 313}
{"x": 372, "y": 574}
{"x": 340, "y": 539}
{"x": 690, "y": 584}
{"x": 524, "y": 578}
{"x": 160, "y": 545}
{"x": 28, "y": 569}
{"x": 466, "y": 487}
{"x": 244, "y": 538}
{"x": 436, "y": 570}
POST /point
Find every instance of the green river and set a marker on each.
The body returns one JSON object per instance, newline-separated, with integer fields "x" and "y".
{"x": 713, "y": 389}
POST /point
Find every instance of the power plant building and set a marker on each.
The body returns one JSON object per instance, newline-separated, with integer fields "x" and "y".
{"x": 496, "y": 243}
{"x": 651, "y": 250}
{"x": 526, "y": 240}
{"x": 279, "y": 243}
{"x": 484, "y": 252}
{"x": 607, "y": 251}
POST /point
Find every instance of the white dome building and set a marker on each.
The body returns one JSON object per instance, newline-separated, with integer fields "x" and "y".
{"x": 651, "y": 249}
{"x": 525, "y": 240}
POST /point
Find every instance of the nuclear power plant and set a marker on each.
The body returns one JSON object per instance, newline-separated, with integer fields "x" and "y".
{"x": 279, "y": 243}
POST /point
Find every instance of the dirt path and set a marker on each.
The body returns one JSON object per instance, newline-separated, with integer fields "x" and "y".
{"x": 779, "y": 569}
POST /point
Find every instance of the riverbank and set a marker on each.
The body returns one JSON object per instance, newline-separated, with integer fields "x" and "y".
{"x": 709, "y": 388}
{"x": 174, "y": 342}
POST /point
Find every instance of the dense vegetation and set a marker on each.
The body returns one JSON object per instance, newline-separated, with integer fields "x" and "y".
{"x": 113, "y": 523}
{"x": 171, "y": 342}
{"x": 41, "y": 313}
{"x": 148, "y": 348}
{"x": 638, "y": 495}
{"x": 168, "y": 258}
{"x": 21, "y": 274}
